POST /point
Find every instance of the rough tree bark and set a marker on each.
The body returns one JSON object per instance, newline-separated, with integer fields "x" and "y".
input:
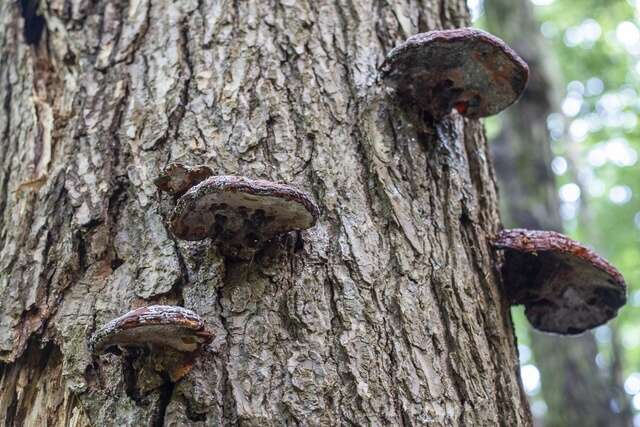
{"x": 575, "y": 389}
{"x": 389, "y": 311}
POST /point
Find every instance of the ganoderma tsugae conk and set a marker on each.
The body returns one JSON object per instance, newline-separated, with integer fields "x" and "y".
{"x": 465, "y": 69}
{"x": 565, "y": 287}
{"x": 237, "y": 213}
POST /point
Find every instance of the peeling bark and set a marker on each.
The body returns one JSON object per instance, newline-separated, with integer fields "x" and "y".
{"x": 389, "y": 311}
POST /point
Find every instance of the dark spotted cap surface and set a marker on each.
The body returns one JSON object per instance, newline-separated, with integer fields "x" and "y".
{"x": 241, "y": 212}
{"x": 467, "y": 69}
{"x": 157, "y": 325}
{"x": 565, "y": 287}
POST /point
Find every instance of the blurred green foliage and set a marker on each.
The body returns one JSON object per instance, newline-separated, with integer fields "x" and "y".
{"x": 595, "y": 60}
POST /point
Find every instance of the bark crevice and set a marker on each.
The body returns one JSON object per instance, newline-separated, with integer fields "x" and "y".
{"x": 34, "y": 24}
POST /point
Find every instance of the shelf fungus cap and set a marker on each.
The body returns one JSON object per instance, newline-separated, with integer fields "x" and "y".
{"x": 177, "y": 178}
{"x": 565, "y": 287}
{"x": 241, "y": 212}
{"x": 161, "y": 326}
{"x": 467, "y": 69}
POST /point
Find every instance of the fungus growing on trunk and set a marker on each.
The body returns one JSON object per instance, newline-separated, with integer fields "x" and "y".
{"x": 172, "y": 335}
{"x": 565, "y": 287}
{"x": 465, "y": 69}
{"x": 241, "y": 213}
{"x": 177, "y": 178}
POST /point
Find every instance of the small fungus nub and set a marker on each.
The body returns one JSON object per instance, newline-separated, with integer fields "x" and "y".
{"x": 177, "y": 178}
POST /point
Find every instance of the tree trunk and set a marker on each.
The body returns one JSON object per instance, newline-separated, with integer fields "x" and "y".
{"x": 575, "y": 389}
{"x": 388, "y": 312}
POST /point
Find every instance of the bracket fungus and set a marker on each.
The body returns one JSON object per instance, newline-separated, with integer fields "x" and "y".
{"x": 240, "y": 213}
{"x": 565, "y": 287}
{"x": 174, "y": 334}
{"x": 467, "y": 69}
{"x": 177, "y": 178}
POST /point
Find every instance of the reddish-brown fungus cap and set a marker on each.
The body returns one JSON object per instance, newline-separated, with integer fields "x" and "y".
{"x": 177, "y": 178}
{"x": 467, "y": 69}
{"x": 565, "y": 287}
{"x": 241, "y": 212}
{"x": 157, "y": 325}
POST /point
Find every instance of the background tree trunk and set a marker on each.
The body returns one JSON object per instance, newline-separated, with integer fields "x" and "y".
{"x": 575, "y": 389}
{"x": 389, "y": 311}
